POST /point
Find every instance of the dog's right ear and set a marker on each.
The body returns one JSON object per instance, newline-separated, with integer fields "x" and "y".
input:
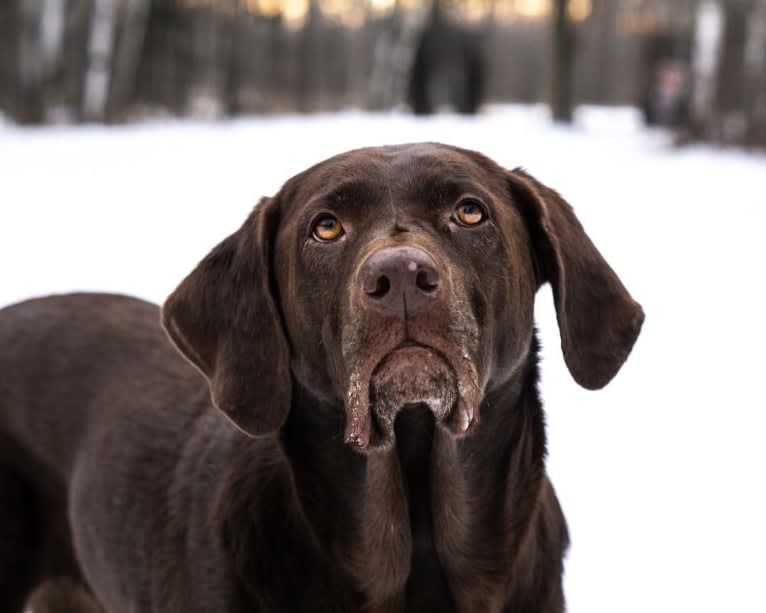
{"x": 223, "y": 317}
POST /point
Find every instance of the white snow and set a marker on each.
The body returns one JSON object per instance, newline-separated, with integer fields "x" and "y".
{"x": 662, "y": 475}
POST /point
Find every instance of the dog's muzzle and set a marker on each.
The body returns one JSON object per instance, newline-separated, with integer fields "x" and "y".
{"x": 408, "y": 376}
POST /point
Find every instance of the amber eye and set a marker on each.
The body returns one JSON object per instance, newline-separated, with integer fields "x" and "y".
{"x": 469, "y": 213}
{"x": 327, "y": 228}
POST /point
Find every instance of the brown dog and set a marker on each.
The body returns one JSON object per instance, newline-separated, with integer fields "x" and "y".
{"x": 368, "y": 336}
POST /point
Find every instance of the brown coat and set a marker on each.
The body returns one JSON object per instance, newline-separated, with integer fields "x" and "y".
{"x": 367, "y": 336}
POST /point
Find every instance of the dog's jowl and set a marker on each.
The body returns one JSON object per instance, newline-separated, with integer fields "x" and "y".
{"x": 346, "y": 419}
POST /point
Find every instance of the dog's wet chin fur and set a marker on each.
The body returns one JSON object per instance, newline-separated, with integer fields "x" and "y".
{"x": 409, "y": 376}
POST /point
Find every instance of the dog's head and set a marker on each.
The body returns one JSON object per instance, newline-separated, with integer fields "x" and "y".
{"x": 389, "y": 277}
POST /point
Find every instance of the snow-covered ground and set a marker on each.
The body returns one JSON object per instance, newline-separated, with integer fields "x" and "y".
{"x": 662, "y": 474}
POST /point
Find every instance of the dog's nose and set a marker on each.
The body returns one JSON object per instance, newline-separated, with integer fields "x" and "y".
{"x": 399, "y": 281}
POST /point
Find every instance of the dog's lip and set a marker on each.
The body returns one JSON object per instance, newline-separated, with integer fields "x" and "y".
{"x": 407, "y": 345}
{"x": 461, "y": 419}
{"x": 408, "y": 342}
{"x": 462, "y": 416}
{"x": 407, "y": 376}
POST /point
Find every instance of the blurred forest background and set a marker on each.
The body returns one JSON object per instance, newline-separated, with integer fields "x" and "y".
{"x": 698, "y": 66}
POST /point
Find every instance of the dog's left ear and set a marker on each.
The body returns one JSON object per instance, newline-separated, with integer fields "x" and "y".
{"x": 224, "y": 319}
{"x": 598, "y": 319}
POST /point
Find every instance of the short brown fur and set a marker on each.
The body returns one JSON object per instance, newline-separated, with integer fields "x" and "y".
{"x": 121, "y": 481}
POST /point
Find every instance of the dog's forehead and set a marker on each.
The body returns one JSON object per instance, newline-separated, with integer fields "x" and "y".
{"x": 395, "y": 163}
{"x": 393, "y": 167}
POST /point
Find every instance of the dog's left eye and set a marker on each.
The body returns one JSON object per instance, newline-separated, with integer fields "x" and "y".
{"x": 469, "y": 213}
{"x": 327, "y": 228}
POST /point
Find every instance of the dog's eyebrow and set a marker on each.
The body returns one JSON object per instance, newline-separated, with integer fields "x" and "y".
{"x": 429, "y": 189}
{"x": 448, "y": 190}
{"x": 346, "y": 195}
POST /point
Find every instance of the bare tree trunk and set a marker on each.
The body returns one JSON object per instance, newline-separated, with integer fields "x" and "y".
{"x": 755, "y": 75}
{"x": 30, "y": 106}
{"x": 9, "y": 57}
{"x": 394, "y": 55}
{"x": 134, "y": 20}
{"x": 275, "y": 58}
{"x": 72, "y": 61}
{"x": 52, "y": 29}
{"x": 730, "y": 87}
{"x": 308, "y": 47}
{"x": 52, "y": 26}
{"x": 707, "y": 47}
{"x": 561, "y": 84}
{"x": 210, "y": 55}
{"x": 98, "y": 74}
{"x": 603, "y": 86}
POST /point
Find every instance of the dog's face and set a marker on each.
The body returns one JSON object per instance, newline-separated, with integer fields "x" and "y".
{"x": 396, "y": 276}
{"x": 405, "y": 276}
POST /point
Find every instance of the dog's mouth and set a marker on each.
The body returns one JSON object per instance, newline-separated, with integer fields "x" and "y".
{"x": 410, "y": 375}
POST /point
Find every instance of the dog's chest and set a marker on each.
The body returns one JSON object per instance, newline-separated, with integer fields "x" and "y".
{"x": 427, "y": 587}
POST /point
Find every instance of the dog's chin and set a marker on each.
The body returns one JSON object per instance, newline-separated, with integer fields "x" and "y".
{"x": 410, "y": 376}
{"x": 442, "y": 379}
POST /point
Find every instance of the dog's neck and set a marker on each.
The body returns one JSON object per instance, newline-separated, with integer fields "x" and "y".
{"x": 430, "y": 498}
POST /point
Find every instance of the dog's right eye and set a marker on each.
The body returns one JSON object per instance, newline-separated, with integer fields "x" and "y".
{"x": 327, "y": 228}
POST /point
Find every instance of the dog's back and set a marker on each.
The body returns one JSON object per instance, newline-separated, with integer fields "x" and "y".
{"x": 81, "y": 359}
{"x": 72, "y": 368}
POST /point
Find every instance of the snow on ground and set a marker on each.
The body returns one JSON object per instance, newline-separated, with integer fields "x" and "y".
{"x": 661, "y": 474}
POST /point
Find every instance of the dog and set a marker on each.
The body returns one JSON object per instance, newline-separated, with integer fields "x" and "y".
{"x": 349, "y": 419}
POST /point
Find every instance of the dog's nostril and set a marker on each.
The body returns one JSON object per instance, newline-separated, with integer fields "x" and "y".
{"x": 382, "y": 285}
{"x": 399, "y": 281}
{"x": 426, "y": 282}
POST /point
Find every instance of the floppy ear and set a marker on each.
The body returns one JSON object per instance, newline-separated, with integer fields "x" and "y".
{"x": 598, "y": 319}
{"x": 224, "y": 319}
